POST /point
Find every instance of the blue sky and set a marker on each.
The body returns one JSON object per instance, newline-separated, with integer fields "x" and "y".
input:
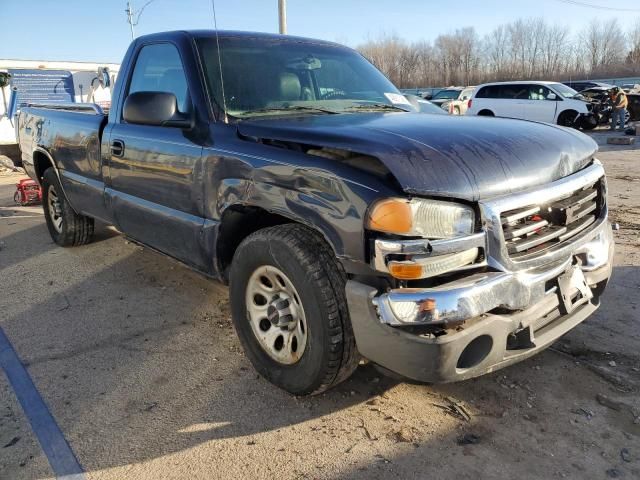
{"x": 97, "y": 30}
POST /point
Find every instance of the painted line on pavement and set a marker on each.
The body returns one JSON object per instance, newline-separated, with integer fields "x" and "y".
{"x": 63, "y": 461}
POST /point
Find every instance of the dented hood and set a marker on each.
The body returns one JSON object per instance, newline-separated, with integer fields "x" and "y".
{"x": 470, "y": 158}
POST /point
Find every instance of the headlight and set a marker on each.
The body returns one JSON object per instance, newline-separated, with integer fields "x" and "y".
{"x": 421, "y": 218}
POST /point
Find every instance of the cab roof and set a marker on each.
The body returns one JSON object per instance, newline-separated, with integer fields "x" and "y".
{"x": 228, "y": 34}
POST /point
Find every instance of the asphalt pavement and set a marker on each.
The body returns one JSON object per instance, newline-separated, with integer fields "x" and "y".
{"x": 134, "y": 357}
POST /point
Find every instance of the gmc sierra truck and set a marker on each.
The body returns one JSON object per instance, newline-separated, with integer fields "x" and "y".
{"x": 347, "y": 225}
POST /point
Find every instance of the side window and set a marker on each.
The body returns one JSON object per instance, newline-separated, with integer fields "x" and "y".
{"x": 538, "y": 92}
{"x": 487, "y": 92}
{"x": 158, "y": 68}
{"x": 514, "y": 92}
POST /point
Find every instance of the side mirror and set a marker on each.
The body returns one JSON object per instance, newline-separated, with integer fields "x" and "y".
{"x": 552, "y": 96}
{"x": 428, "y": 96}
{"x": 155, "y": 108}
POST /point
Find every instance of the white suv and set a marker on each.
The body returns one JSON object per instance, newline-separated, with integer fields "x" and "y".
{"x": 548, "y": 102}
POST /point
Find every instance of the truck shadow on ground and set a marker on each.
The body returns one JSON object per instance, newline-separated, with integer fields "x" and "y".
{"x": 25, "y": 230}
{"x": 142, "y": 362}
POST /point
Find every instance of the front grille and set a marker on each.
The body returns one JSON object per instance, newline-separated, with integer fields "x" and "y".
{"x": 531, "y": 230}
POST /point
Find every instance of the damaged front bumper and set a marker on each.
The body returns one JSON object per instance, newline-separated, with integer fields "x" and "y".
{"x": 586, "y": 120}
{"x": 488, "y": 320}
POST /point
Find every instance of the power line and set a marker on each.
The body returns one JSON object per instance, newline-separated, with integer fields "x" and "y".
{"x": 578, "y": 3}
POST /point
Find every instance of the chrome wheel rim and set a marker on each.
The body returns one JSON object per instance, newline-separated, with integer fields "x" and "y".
{"x": 276, "y": 315}
{"x": 55, "y": 209}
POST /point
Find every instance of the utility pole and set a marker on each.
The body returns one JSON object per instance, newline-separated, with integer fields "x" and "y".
{"x": 282, "y": 15}
{"x": 133, "y": 16}
{"x": 129, "y": 12}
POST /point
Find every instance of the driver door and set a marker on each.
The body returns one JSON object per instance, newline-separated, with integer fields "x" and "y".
{"x": 156, "y": 189}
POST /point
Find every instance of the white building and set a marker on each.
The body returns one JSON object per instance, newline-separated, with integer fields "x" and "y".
{"x": 35, "y": 81}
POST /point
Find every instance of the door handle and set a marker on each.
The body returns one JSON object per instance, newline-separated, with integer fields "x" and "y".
{"x": 117, "y": 148}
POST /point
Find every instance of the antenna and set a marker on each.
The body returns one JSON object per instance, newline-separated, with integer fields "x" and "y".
{"x": 215, "y": 25}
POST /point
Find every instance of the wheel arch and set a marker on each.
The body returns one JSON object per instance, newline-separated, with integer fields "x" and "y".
{"x": 240, "y": 220}
{"x": 42, "y": 160}
{"x": 567, "y": 111}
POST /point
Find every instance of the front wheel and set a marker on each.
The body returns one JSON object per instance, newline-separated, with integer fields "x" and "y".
{"x": 66, "y": 227}
{"x": 567, "y": 118}
{"x": 289, "y": 309}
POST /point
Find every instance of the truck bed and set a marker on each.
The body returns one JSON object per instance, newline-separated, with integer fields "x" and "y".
{"x": 64, "y": 131}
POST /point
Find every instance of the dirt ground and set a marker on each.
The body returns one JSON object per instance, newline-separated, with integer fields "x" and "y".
{"x": 137, "y": 360}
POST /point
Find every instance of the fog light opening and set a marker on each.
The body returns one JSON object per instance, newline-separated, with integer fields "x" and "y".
{"x": 474, "y": 353}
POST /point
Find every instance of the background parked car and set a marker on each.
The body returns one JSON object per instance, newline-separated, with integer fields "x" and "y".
{"x": 428, "y": 93}
{"x": 548, "y": 102}
{"x": 421, "y": 92}
{"x": 580, "y": 85}
{"x": 460, "y": 105}
{"x": 444, "y": 97}
{"x": 424, "y": 106}
{"x": 634, "y": 106}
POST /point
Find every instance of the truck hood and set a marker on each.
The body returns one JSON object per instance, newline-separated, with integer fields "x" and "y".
{"x": 465, "y": 157}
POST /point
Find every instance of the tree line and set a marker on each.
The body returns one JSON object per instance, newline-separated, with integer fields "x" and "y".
{"x": 520, "y": 50}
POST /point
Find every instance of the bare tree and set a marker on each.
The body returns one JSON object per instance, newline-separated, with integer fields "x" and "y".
{"x": 522, "y": 49}
{"x": 633, "y": 57}
{"x": 604, "y": 43}
{"x": 496, "y": 53}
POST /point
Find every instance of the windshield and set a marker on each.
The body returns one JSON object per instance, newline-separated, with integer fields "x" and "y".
{"x": 446, "y": 94}
{"x": 563, "y": 90}
{"x": 272, "y": 76}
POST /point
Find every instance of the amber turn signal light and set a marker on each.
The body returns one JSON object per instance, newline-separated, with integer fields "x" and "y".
{"x": 391, "y": 216}
{"x": 405, "y": 271}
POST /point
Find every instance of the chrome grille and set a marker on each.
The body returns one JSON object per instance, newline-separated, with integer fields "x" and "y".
{"x": 535, "y": 228}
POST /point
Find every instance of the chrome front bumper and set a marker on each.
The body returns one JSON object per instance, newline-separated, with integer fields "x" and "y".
{"x": 479, "y": 293}
{"x": 483, "y": 343}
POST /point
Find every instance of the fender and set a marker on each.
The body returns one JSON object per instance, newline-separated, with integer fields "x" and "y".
{"x": 55, "y": 168}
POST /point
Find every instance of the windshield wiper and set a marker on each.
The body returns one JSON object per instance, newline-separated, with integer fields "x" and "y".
{"x": 292, "y": 108}
{"x": 376, "y": 106}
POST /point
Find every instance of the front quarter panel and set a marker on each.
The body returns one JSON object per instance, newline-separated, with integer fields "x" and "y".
{"x": 325, "y": 195}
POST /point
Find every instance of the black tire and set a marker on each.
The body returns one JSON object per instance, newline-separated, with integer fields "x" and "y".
{"x": 330, "y": 354}
{"x": 75, "y": 229}
{"x": 17, "y": 198}
{"x": 486, "y": 113}
{"x": 566, "y": 119}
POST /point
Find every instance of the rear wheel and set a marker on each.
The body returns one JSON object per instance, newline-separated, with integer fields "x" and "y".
{"x": 289, "y": 309}
{"x": 456, "y": 110}
{"x": 66, "y": 227}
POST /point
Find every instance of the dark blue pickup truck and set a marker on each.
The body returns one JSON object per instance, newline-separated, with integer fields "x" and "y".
{"x": 347, "y": 224}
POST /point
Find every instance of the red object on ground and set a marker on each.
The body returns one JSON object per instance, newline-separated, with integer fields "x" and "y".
{"x": 28, "y": 192}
